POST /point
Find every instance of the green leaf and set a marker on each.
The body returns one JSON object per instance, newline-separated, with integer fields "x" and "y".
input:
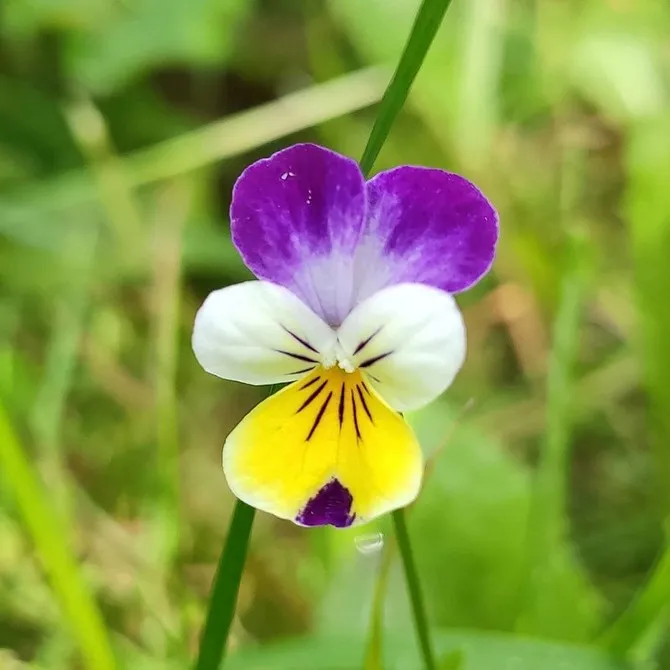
{"x": 452, "y": 660}
{"x": 479, "y": 497}
{"x": 479, "y": 651}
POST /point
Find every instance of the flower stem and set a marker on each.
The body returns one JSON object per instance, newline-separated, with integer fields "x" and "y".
{"x": 224, "y": 592}
{"x": 414, "y": 589}
{"x": 426, "y": 24}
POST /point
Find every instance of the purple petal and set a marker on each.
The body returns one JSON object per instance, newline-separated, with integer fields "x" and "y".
{"x": 330, "y": 506}
{"x": 296, "y": 219}
{"x": 426, "y": 226}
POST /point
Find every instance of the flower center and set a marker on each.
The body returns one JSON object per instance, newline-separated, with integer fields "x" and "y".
{"x": 337, "y": 356}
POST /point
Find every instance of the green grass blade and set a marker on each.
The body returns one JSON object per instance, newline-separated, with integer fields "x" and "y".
{"x": 126, "y": 222}
{"x": 70, "y": 304}
{"x": 642, "y": 615}
{"x": 425, "y": 28}
{"x": 648, "y": 207}
{"x": 414, "y": 590}
{"x": 224, "y": 592}
{"x": 217, "y": 141}
{"x": 546, "y": 527}
{"x": 74, "y": 596}
{"x": 426, "y": 25}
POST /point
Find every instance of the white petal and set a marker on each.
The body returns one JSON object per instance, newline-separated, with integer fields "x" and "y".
{"x": 259, "y": 333}
{"x": 409, "y": 339}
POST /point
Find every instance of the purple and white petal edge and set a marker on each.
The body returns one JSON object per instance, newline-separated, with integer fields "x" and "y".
{"x": 425, "y": 226}
{"x": 296, "y": 219}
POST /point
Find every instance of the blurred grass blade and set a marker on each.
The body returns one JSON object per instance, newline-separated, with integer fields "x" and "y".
{"x": 172, "y": 211}
{"x": 478, "y": 113}
{"x": 643, "y": 614}
{"x": 224, "y": 592}
{"x": 374, "y": 653}
{"x": 214, "y": 142}
{"x": 70, "y": 304}
{"x": 648, "y": 206}
{"x": 426, "y": 25}
{"x": 79, "y": 608}
{"x": 545, "y": 543}
{"x": 126, "y": 222}
{"x": 90, "y": 132}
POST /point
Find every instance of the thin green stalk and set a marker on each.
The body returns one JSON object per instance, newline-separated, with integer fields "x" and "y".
{"x": 224, "y": 594}
{"x": 426, "y": 25}
{"x": 47, "y": 532}
{"x": 172, "y": 211}
{"x": 414, "y": 590}
{"x": 373, "y": 649}
{"x": 226, "y": 587}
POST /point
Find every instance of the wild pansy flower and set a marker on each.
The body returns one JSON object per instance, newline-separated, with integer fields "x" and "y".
{"x": 354, "y": 306}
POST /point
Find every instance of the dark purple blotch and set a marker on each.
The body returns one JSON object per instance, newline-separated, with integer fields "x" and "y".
{"x": 330, "y": 506}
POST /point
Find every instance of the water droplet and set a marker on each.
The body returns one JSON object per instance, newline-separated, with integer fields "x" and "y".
{"x": 370, "y": 543}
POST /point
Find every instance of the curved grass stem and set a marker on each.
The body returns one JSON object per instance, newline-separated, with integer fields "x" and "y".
{"x": 414, "y": 589}
{"x": 226, "y": 587}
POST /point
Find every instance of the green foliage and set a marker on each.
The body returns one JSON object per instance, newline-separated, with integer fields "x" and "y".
{"x": 478, "y": 651}
{"x": 109, "y": 43}
{"x": 476, "y": 578}
{"x": 543, "y": 522}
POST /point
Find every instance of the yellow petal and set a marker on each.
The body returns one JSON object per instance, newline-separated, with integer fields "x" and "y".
{"x": 324, "y": 450}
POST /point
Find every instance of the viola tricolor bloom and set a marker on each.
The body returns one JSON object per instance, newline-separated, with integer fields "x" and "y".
{"x": 353, "y": 306}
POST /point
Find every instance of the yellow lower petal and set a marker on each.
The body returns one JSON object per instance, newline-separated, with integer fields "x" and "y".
{"x": 326, "y": 449}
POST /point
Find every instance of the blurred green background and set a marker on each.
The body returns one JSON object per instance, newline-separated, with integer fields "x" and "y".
{"x": 123, "y": 125}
